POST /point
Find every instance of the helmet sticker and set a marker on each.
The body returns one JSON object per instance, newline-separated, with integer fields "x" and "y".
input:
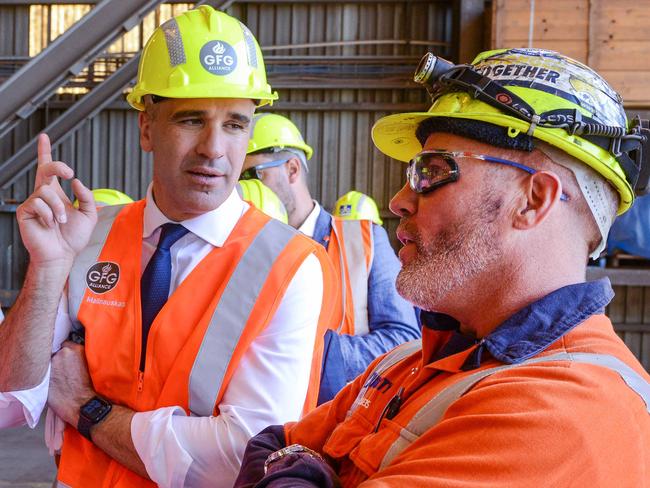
{"x": 345, "y": 210}
{"x": 557, "y": 75}
{"x": 218, "y": 57}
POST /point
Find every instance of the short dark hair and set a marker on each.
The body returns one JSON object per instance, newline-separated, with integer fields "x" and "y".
{"x": 494, "y": 135}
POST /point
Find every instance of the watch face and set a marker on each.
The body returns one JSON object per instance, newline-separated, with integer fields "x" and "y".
{"x": 95, "y": 409}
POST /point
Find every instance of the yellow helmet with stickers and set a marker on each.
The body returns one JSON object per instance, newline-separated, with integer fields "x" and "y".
{"x": 263, "y": 198}
{"x": 275, "y": 131}
{"x": 355, "y": 205}
{"x": 537, "y": 92}
{"x": 202, "y": 53}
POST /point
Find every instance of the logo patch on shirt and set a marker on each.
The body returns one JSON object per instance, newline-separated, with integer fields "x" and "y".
{"x": 377, "y": 382}
{"x": 102, "y": 277}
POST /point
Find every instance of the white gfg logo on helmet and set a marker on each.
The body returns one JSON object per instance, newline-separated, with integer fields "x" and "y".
{"x": 218, "y": 57}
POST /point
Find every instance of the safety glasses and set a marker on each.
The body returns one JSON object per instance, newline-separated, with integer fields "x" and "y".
{"x": 254, "y": 171}
{"x": 432, "y": 169}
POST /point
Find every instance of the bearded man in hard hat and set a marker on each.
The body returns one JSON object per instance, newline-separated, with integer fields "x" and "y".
{"x": 513, "y": 180}
{"x": 371, "y": 318}
{"x": 199, "y": 313}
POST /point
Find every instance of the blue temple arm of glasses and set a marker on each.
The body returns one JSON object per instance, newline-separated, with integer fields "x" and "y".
{"x": 564, "y": 197}
{"x": 270, "y": 164}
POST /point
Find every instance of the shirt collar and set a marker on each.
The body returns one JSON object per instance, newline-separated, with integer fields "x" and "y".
{"x": 309, "y": 225}
{"x": 530, "y": 330}
{"x": 213, "y": 227}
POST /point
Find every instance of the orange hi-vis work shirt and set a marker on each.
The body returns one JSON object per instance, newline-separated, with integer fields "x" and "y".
{"x": 351, "y": 250}
{"x": 547, "y": 422}
{"x": 197, "y": 339}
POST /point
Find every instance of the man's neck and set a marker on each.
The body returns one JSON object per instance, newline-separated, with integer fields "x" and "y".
{"x": 499, "y": 297}
{"x": 304, "y": 207}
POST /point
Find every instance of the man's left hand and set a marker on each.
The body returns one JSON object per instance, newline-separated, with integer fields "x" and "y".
{"x": 70, "y": 385}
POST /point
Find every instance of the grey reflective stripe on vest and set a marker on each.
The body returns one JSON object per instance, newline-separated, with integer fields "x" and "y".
{"x": 432, "y": 412}
{"x": 86, "y": 258}
{"x": 60, "y": 484}
{"x": 231, "y": 314}
{"x": 358, "y": 271}
{"x": 393, "y": 357}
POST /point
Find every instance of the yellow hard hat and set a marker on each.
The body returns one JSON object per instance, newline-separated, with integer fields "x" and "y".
{"x": 536, "y": 92}
{"x": 263, "y": 198}
{"x": 107, "y": 196}
{"x": 203, "y": 53}
{"x": 355, "y": 205}
{"x": 275, "y": 131}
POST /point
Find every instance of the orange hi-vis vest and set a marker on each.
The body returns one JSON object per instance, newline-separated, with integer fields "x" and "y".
{"x": 351, "y": 250}
{"x": 580, "y": 410}
{"x": 197, "y": 339}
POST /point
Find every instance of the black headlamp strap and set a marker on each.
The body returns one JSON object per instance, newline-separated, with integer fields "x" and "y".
{"x": 626, "y": 148}
{"x": 486, "y": 90}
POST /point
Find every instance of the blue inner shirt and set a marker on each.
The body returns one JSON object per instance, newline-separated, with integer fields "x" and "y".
{"x": 528, "y": 331}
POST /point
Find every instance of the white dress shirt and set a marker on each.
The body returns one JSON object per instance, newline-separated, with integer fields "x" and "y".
{"x": 268, "y": 387}
{"x": 308, "y": 227}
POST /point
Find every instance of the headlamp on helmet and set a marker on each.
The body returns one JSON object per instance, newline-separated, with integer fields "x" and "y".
{"x": 628, "y": 145}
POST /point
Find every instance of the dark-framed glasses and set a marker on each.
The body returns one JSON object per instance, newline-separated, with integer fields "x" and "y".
{"x": 254, "y": 171}
{"x": 432, "y": 169}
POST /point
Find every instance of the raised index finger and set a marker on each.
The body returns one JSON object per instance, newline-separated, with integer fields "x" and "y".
{"x": 44, "y": 149}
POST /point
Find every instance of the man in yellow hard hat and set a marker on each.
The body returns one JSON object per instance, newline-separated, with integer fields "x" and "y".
{"x": 371, "y": 318}
{"x": 354, "y": 205}
{"x": 513, "y": 179}
{"x": 261, "y": 196}
{"x": 195, "y": 318}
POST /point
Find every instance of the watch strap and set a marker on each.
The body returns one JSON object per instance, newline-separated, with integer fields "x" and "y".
{"x": 286, "y": 451}
{"x": 86, "y": 423}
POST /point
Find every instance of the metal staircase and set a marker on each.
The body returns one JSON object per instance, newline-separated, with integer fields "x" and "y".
{"x": 67, "y": 56}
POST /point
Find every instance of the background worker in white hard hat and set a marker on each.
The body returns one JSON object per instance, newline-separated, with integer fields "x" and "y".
{"x": 520, "y": 379}
{"x": 371, "y": 317}
{"x": 199, "y": 313}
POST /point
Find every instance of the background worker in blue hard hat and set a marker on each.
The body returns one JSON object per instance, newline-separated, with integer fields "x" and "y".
{"x": 372, "y": 317}
{"x": 198, "y": 314}
{"x": 513, "y": 180}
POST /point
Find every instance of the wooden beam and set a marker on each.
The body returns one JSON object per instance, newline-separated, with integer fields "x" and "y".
{"x": 620, "y": 276}
{"x": 471, "y": 29}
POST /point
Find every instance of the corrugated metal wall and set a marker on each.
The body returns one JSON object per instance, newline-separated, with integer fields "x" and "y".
{"x": 355, "y": 69}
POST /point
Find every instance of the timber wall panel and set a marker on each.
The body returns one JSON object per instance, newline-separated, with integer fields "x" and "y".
{"x": 611, "y": 37}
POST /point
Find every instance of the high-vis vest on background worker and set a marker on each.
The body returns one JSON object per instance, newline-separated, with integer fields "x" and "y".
{"x": 262, "y": 197}
{"x": 370, "y": 318}
{"x": 196, "y": 317}
{"x": 354, "y": 205}
{"x": 530, "y": 386}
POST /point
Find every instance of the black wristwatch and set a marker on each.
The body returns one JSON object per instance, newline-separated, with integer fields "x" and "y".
{"x": 91, "y": 413}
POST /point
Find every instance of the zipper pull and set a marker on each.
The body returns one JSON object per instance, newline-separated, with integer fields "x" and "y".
{"x": 391, "y": 408}
{"x": 140, "y": 380}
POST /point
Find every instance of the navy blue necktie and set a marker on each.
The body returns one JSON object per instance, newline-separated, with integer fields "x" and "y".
{"x": 154, "y": 284}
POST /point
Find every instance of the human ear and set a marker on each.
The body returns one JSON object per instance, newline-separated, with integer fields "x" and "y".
{"x": 144, "y": 122}
{"x": 542, "y": 192}
{"x": 294, "y": 170}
